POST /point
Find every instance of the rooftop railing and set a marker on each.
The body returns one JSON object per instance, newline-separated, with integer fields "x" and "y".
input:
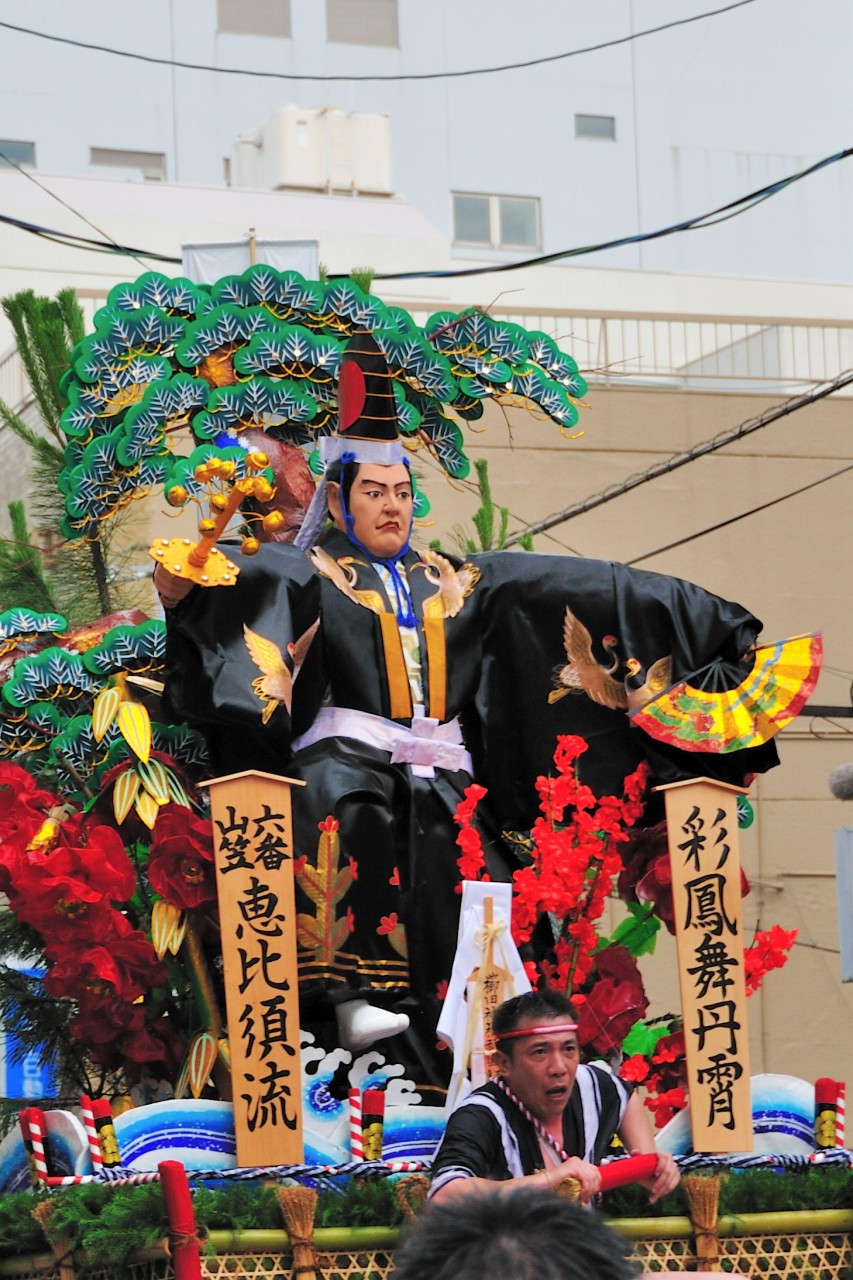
{"x": 708, "y": 353}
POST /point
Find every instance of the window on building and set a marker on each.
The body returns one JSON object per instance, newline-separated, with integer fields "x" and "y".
{"x": 596, "y": 127}
{"x": 254, "y": 17}
{"x": 13, "y": 152}
{"x": 501, "y": 222}
{"x": 150, "y": 165}
{"x": 362, "y": 22}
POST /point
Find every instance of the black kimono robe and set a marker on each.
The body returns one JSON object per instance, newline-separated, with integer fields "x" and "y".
{"x": 491, "y": 665}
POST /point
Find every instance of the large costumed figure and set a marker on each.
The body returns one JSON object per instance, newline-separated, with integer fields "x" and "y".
{"x": 388, "y": 678}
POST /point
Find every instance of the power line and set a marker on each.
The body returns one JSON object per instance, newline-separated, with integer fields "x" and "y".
{"x": 425, "y": 75}
{"x": 731, "y": 210}
{"x": 689, "y": 455}
{"x": 722, "y": 524}
{"x": 112, "y": 245}
{"x": 734, "y": 208}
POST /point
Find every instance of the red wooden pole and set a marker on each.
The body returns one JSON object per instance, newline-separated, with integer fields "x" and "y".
{"x": 186, "y": 1256}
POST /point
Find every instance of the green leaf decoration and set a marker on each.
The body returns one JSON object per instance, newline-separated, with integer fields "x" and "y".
{"x": 347, "y": 307}
{"x": 289, "y": 351}
{"x": 76, "y": 746}
{"x": 122, "y": 336}
{"x": 445, "y": 440}
{"x": 178, "y": 296}
{"x": 496, "y": 372}
{"x": 224, "y": 329}
{"x": 164, "y": 408}
{"x": 473, "y": 335}
{"x": 552, "y": 399}
{"x": 466, "y": 406}
{"x": 639, "y": 931}
{"x": 136, "y": 650}
{"x": 286, "y": 294}
{"x": 30, "y": 732}
{"x": 99, "y": 485}
{"x": 398, "y": 319}
{"x": 261, "y": 403}
{"x": 557, "y": 364}
{"x": 420, "y": 504}
{"x": 23, "y": 626}
{"x": 54, "y": 675}
{"x": 91, "y": 408}
{"x": 643, "y": 1039}
{"x": 745, "y": 813}
{"x": 409, "y": 416}
{"x": 413, "y": 357}
{"x": 186, "y": 746}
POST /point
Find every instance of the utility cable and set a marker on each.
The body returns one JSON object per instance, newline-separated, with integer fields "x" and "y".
{"x": 722, "y": 524}
{"x": 115, "y": 246}
{"x": 677, "y": 460}
{"x": 424, "y": 75}
{"x": 733, "y": 209}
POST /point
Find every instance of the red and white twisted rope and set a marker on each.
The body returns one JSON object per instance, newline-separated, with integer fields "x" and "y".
{"x": 543, "y": 1133}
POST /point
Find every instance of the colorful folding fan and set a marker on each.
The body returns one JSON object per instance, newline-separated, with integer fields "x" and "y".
{"x": 778, "y": 686}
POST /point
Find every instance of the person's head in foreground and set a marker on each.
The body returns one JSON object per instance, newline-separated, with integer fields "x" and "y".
{"x": 537, "y": 1051}
{"x": 528, "y": 1235}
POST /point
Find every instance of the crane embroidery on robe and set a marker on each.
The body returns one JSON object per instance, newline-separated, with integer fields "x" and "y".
{"x": 343, "y": 574}
{"x": 582, "y": 673}
{"x": 454, "y": 585}
{"x": 274, "y": 685}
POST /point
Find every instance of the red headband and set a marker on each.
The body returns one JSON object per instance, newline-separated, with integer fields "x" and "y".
{"x": 538, "y": 1031}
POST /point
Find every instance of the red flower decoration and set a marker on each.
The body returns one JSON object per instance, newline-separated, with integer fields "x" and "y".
{"x": 125, "y": 965}
{"x": 634, "y": 1069}
{"x": 617, "y": 1000}
{"x": 769, "y": 950}
{"x": 666, "y": 1105}
{"x": 180, "y": 867}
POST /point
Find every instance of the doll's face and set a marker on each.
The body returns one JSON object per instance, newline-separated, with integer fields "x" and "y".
{"x": 381, "y": 506}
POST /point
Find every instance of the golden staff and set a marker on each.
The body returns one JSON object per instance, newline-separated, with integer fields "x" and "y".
{"x": 202, "y": 562}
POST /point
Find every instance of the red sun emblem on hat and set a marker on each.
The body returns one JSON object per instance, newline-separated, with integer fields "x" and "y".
{"x": 352, "y": 393}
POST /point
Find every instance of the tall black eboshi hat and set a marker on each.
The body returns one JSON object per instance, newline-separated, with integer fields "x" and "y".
{"x": 367, "y": 423}
{"x": 367, "y": 407}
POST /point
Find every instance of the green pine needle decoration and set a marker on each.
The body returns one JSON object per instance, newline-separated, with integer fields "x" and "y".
{"x": 109, "y": 1223}
{"x": 76, "y": 581}
{"x": 23, "y": 583}
{"x": 363, "y": 277}
{"x": 491, "y": 523}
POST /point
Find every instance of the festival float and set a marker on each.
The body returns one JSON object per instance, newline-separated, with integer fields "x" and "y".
{"x": 188, "y": 877}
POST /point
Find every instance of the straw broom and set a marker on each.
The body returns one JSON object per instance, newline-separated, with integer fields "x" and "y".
{"x": 60, "y": 1245}
{"x": 298, "y": 1206}
{"x": 703, "y": 1196}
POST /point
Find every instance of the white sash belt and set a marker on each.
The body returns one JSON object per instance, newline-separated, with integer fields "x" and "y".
{"x": 426, "y": 746}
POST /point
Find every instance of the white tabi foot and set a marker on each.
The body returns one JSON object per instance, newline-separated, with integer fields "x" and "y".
{"x": 361, "y": 1024}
